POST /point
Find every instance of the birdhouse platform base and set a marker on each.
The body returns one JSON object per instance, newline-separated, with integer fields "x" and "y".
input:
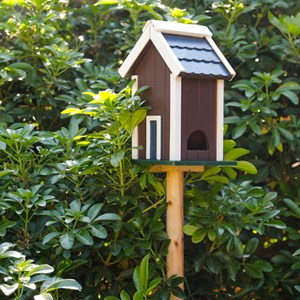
{"x": 159, "y": 166}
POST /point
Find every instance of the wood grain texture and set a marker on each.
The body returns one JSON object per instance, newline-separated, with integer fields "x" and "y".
{"x": 175, "y": 258}
{"x": 152, "y": 71}
{"x": 199, "y": 113}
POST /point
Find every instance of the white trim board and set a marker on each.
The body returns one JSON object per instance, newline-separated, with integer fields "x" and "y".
{"x": 134, "y": 53}
{"x": 166, "y": 52}
{"x": 135, "y": 133}
{"x": 175, "y": 117}
{"x": 179, "y": 28}
{"x": 220, "y": 120}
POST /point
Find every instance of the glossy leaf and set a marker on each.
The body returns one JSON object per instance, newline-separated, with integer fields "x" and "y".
{"x": 67, "y": 240}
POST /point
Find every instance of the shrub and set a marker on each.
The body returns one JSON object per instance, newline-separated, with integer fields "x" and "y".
{"x": 71, "y": 199}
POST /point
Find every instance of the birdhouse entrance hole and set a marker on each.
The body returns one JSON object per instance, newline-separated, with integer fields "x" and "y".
{"x": 197, "y": 141}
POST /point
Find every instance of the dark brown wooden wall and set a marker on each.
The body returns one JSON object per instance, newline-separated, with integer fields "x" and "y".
{"x": 152, "y": 71}
{"x": 199, "y": 113}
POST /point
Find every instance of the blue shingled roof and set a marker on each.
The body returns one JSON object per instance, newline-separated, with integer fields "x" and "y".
{"x": 197, "y": 56}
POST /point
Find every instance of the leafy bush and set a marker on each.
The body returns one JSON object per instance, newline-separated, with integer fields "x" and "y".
{"x": 22, "y": 276}
{"x": 71, "y": 199}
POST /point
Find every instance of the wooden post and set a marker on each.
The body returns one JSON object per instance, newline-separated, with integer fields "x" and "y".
{"x": 175, "y": 214}
{"x": 175, "y": 259}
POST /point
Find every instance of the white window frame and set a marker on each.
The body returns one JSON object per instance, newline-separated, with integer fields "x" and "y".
{"x": 158, "y": 136}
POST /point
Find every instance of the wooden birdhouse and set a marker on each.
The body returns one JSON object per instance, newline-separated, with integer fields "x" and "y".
{"x": 185, "y": 72}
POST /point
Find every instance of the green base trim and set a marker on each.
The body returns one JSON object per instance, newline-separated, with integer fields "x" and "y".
{"x": 184, "y": 162}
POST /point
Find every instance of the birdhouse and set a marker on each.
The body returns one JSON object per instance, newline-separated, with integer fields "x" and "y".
{"x": 185, "y": 72}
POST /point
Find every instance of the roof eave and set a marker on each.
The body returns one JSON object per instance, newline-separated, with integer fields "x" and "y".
{"x": 221, "y": 57}
{"x": 206, "y": 76}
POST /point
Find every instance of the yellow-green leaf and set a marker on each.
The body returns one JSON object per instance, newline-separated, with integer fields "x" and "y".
{"x": 246, "y": 167}
{"x": 235, "y": 153}
{"x": 71, "y": 111}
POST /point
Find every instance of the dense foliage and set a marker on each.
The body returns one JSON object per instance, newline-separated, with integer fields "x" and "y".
{"x": 72, "y": 203}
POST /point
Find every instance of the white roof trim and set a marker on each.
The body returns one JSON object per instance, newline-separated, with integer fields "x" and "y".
{"x": 221, "y": 56}
{"x": 179, "y": 28}
{"x": 135, "y": 52}
{"x": 166, "y": 52}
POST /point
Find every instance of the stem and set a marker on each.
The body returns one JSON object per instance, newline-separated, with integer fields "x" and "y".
{"x": 26, "y": 219}
{"x": 154, "y": 205}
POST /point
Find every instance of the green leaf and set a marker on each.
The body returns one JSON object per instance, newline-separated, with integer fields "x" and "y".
{"x": 2, "y": 146}
{"x": 56, "y": 178}
{"x": 108, "y": 217}
{"x": 238, "y": 246}
{"x": 43, "y": 296}
{"x": 211, "y": 171}
{"x": 21, "y": 65}
{"x": 71, "y": 111}
{"x": 286, "y": 133}
{"x": 297, "y": 252}
{"x": 253, "y": 270}
{"x": 232, "y": 120}
{"x": 198, "y": 235}
{"x": 235, "y": 153}
{"x": 143, "y": 181}
{"x": 211, "y": 234}
{"x": 228, "y": 145}
{"x": 245, "y": 166}
{"x": 41, "y": 269}
{"x": 8, "y": 289}
{"x": 107, "y": 2}
{"x": 215, "y": 179}
{"x": 291, "y": 96}
{"x": 264, "y": 266}
{"x": 139, "y": 295}
{"x": 189, "y": 229}
{"x": 73, "y": 128}
{"x": 4, "y": 225}
{"x": 152, "y": 285}
{"x": 116, "y": 158}
{"x": 230, "y": 172}
{"x": 84, "y": 237}
{"x": 98, "y": 230}
{"x": 276, "y": 223}
{"x": 295, "y": 266}
{"x": 251, "y": 246}
{"x": 124, "y": 295}
{"x": 239, "y": 130}
{"x": 269, "y": 197}
{"x": 55, "y": 283}
{"x": 144, "y": 272}
{"x": 48, "y": 237}
{"x": 67, "y": 240}
{"x": 178, "y": 292}
{"x": 137, "y": 117}
{"x": 293, "y": 207}
{"x": 137, "y": 279}
{"x": 94, "y": 210}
